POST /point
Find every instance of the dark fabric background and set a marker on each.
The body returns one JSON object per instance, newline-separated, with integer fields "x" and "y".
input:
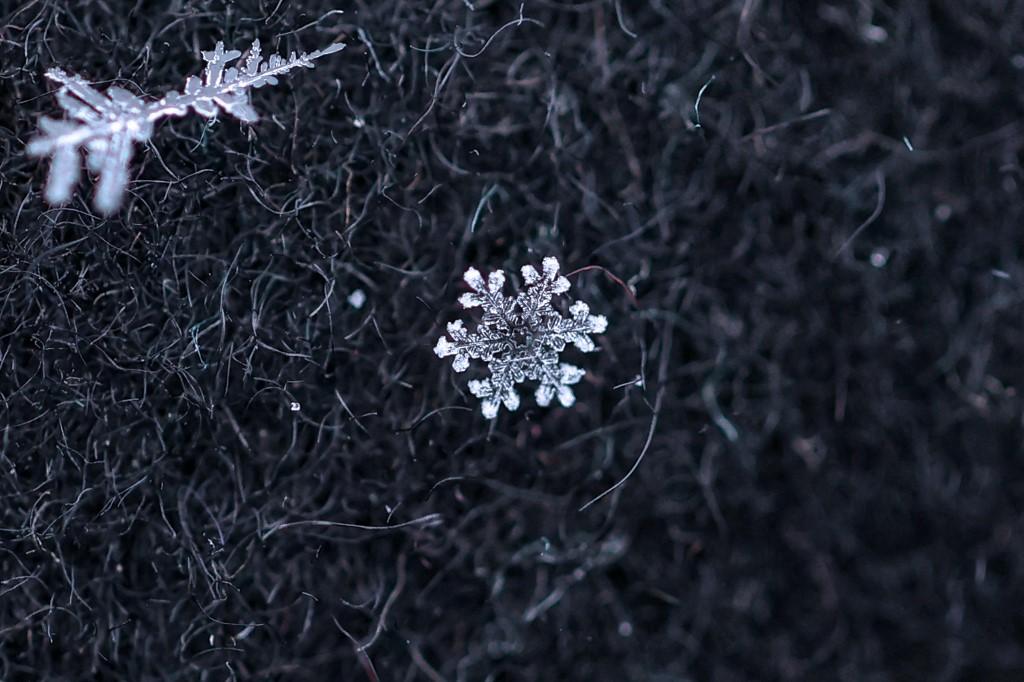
{"x": 828, "y": 272}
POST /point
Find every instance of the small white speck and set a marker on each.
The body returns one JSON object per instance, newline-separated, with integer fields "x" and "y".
{"x": 357, "y": 299}
{"x": 875, "y": 34}
{"x": 625, "y": 629}
{"x": 358, "y": 122}
{"x": 295, "y": 407}
{"x": 943, "y": 212}
{"x": 1001, "y": 274}
{"x": 906, "y": 141}
{"x": 879, "y": 257}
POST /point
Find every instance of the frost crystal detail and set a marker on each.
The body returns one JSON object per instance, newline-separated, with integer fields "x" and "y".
{"x": 108, "y": 124}
{"x": 520, "y": 338}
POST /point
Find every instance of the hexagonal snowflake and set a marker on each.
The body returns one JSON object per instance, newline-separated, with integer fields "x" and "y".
{"x": 520, "y": 338}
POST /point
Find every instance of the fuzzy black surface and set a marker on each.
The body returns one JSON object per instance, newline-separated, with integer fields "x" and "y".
{"x": 828, "y": 277}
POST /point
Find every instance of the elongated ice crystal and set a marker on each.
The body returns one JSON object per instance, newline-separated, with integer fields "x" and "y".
{"x": 520, "y": 338}
{"x": 108, "y": 124}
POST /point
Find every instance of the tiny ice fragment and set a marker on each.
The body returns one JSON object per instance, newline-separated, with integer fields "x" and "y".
{"x": 357, "y": 299}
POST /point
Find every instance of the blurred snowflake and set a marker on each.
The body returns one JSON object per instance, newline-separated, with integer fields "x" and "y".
{"x": 520, "y": 338}
{"x": 108, "y": 124}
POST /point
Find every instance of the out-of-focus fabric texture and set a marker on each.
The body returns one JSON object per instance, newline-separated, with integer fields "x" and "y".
{"x": 803, "y": 222}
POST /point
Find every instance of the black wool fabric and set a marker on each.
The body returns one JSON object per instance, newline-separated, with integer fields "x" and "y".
{"x": 803, "y": 222}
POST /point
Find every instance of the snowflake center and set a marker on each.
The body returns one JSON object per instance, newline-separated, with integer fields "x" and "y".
{"x": 523, "y": 337}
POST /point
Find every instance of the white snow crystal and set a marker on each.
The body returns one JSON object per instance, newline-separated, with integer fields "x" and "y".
{"x": 520, "y": 338}
{"x": 107, "y": 125}
{"x": 357, "y": 299}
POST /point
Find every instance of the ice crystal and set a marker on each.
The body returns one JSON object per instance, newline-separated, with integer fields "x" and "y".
{"x": 520, "y": 338}
{"x": 108, "y": 124}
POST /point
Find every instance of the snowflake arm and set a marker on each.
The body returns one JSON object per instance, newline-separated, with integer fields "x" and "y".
{"x": 577, "y": 328}
{"x": 498, "y": 309}
{"x": 491, "y": 337}
{"x": 494, "y": 391}
{"x": 108, "y": 124}
{"x": 557, "y": 383}
{"x": 540, "y": 288}
{"x": 483, "y": 344}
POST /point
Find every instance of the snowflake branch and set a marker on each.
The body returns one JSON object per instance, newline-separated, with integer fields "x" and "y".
{"x": 107, "y": 125}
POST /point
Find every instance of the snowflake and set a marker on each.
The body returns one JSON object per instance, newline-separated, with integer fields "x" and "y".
{"x": 108, "y": 124}
{"x": 520, "y": 338}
